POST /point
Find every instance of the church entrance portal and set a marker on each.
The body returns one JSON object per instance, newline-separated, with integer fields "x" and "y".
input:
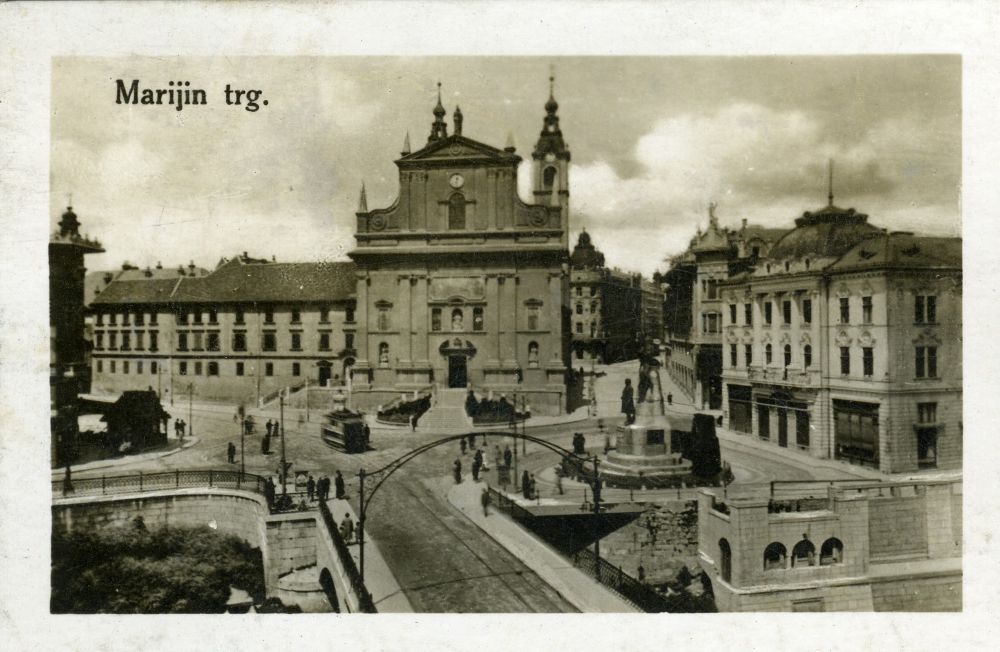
{"x": 458, "y": 374}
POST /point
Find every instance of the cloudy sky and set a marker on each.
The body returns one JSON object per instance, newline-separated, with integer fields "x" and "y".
{"x": 653, "y": 141}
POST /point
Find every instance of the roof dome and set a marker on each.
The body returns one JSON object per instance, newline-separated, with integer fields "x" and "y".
{"x": 551, "y": 106}
{"x": 830, "y": 232}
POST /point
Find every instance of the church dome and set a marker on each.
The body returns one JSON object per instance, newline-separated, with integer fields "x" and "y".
{"x": 827, "y": 233}
{"x": 551, "y": 106}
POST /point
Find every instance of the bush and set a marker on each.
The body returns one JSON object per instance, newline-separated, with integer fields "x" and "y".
{"x": 166, "y": 570}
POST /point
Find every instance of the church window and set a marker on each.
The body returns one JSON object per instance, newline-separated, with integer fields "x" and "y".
{"x": 477, "y": 319}
{"x": 383, "y": 355}
{"x": 456, "y": 211}
{"x": 548, "y": 178}
{"x": 457, "y": 320}
{"x": 383, "y": 318}
{"x": 435, "y": 319}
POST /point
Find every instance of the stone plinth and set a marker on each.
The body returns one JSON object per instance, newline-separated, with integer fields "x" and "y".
{"x": 643, "y": 456}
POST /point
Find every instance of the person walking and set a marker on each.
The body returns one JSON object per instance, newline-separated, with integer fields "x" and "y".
{"x": 531, "y": 486}
{"x": 670, "y": 399}
{"x": 268, "y": 427}
{"x": 462, "y": 444}
{"x": 524, "y": 485}
{"x": 507, "y": 456}
{"x": 310, "y": 487}
{"x": 338, "y": 483}
{"x": 475, "y": 470}
{"x": 628, "y": 404}
{"x": 457, "y": 470}
{"x": 484, "y": 500}
{"x": 559, "y": 477}
{"x": 269, "y": 492}
{"x": 347, "y": 529}
{"x": 231, "y": 452}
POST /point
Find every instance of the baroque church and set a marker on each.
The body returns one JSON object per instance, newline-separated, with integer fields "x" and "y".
{"x": 460, "y": 283}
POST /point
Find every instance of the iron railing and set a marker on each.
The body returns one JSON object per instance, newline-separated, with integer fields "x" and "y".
{"x": 508, "y": 506}
{"x": 367, "y": 604}
{"x": 212, "y": 478}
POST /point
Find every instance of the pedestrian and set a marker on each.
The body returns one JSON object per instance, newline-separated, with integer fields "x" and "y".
{"x": 310, "y": 487}
{"x": 482, "y": 459}
{"x": 457, "y": 471}
{"x": 231, "y": 452}
{"x": 413, "y": 423}
{"x": 531, "y": 486}
{"x": 524, "y": 484}
{"x": 628, "y": 405}
{"x": 338, "y": 482}
{"x": 265, "y": 444}
{"x": 462, "y": 444}
{"x": 236, "y": 417}
{"x": 269, "y": 492}
{"x": 347, "y": 529}
{"x": 484, "y": 500}
{"x": 268, "y": 426}
{"x": 507, "y": 456}
{"x": 642, "y": 574}
{"x": 559, "y": 477}
{"x": 670, "y": 399}
{"x": 321, "y": 488}
{"x": 475, "y": 470}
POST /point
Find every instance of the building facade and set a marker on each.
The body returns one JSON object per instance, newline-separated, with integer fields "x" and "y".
{"x": 613, "y": 311}
{"x": 67, "y": 347}
{"x": 693, "y": 304}
{"x": 238, "y": 334}
{"x": 845, "y": 343}
{"x": 459, "y": 282}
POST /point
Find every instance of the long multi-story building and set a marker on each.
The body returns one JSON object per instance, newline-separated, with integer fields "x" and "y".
{"x": 845, "y": 343}
{"x": 239, "y": 333}
{"x": 67, "y": 348}
{"x": 693, "y": 306}
{"x": 613, "y": 312}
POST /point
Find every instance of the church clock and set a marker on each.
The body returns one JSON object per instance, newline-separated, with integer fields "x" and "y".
{"x": 456, "y": 180}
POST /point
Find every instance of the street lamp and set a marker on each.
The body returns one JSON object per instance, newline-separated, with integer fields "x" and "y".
{"x": 191, "y": 408}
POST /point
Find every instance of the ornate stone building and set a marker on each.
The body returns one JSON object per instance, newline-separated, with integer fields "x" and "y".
{"x": 846, "y": 343}
{"x": 459, "y": 282}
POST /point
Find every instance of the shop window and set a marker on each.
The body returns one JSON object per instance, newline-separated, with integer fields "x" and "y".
{"x": 763, "y": 421}
{"x": 856, "y": 427}
{"x": 802, "y": 429}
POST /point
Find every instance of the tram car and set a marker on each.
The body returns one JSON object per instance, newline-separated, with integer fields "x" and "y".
{"x": 346, "y": 431}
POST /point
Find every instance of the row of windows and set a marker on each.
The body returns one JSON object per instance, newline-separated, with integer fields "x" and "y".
{"x": 769, "y": 355}
{"x": 925, "y": 364}
{"x": 269, "y": 341}
{"x": 383, "y": 355}
{"x": 384, "y": 318}
{"x": 184, "y": 368}
{"x": 593, "y": 308}
{"x": 593, "y": 328}
{"x": 925, "y": 311}
{"x": 805, "y": 310}
{"x": 803, "y": 554}
{"x": 211, "y": 316}
{"x": 127, "y": 340}
{"x": 593, "y": 291}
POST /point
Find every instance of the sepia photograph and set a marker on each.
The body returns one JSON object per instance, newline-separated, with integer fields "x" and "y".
{"x": 506, "y": 334}
{"x": 479, "y": 326}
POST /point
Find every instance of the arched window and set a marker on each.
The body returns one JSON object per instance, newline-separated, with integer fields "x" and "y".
{"x": 804, "y": 553}
{"x": 725, "y": 560}
{"x": 807, "y": 356}
{"x": 456, "y": 211}
{"x": 383, "y": 355}
{"x": 774, "y": 556}
{"x": 548, "y": 178}
{"x": 533, "y": 354}
{"x": 767, "y": 354}
{"x": 788, "y": 354}
{"x": 457, "y": 320}
{"x": 831, "y": 552}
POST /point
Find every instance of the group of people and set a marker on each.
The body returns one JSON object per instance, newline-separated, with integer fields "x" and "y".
{"x": 320, "y": 489}
{"x": 528, "y": 489}
{"x": 180, "y": 428}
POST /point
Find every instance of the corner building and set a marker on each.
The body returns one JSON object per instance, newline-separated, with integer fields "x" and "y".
{"x": 459, "y": 282}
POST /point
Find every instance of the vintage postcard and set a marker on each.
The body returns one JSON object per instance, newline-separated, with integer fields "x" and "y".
{"x": 402, "y": 331}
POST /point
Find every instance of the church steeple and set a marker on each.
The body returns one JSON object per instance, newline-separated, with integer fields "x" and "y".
{"x": 551, "y": 141}
{"x": 551, "y": 157}
{"x": 363, "y": 200}
{"x": 439, "y": 128}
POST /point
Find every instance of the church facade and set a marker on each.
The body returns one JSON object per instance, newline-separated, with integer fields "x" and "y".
{"x": 460, "y": 283}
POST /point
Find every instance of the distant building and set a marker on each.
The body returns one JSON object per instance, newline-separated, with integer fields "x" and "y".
{"x": 693, "y": 308}
{"x": 67, "y": 348}
{"x": 239, "y": 333}
{"x": 613, "y": 312}
{"x": 459, "y": 282}
{"x": 845, "y": 343}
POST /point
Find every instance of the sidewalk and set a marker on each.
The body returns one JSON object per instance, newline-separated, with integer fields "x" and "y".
{"x": 386, "y": 592}
{"x": 110, "y": 463}
{"x": 579, "y": 589}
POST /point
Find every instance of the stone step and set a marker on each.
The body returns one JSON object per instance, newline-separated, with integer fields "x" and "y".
{"x": 444, "y": 418}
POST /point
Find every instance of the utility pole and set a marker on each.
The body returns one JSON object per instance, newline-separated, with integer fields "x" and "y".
{"x": 191, "y": 408}
{"x": 284, "y": 464}
{"x": 243, "y": 432}
{"x": 363, "y": 507}
{"x": 597, "y": 512}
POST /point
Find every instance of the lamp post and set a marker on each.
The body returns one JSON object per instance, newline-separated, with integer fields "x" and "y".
{"x": 284, "y": 464}
{"x": 191, "y": 408}
{"x": 243, "y": 432}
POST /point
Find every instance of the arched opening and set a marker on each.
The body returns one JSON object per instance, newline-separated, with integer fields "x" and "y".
{"x": 456, "y": 211}
{"x": 457, "y": 320}
{"x": 383, "y": 354}
{"x": 774, "y": 556}
{"x": 725, "y": 560}
{"x": 831, "y": 552}
{"x": 326, "y": 582}
{"x": 548, "y": 178}
{"x": 533, "y": 354}
{"x": 804, "y": 553}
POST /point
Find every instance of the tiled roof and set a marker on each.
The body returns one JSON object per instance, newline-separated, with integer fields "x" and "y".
{"x": 902, "y": 250}
{"x": 237, "y": 281}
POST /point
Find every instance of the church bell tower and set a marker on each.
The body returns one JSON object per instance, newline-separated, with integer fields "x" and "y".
{"x": 551, "y": 159}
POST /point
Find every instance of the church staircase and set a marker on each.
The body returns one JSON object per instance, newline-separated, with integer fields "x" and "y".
{"x": 447, "y": 414}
